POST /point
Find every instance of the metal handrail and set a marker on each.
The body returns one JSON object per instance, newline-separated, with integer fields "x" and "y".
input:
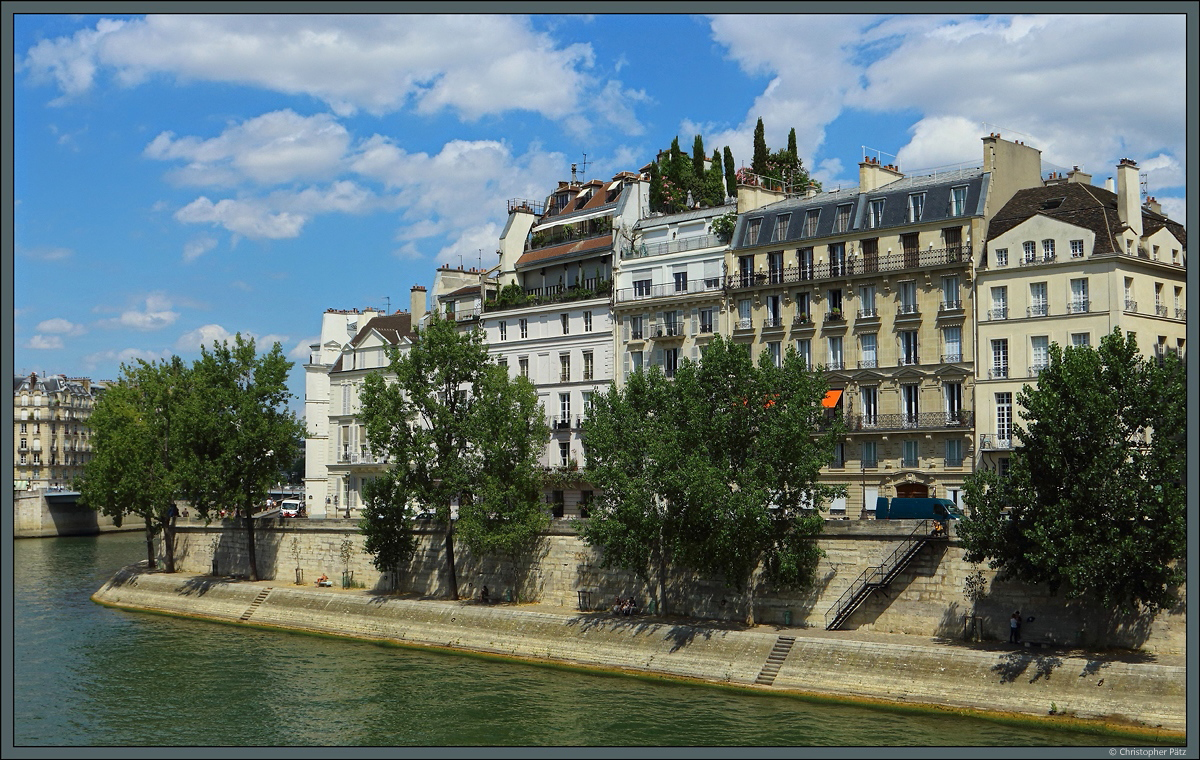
{"x": 877, "y": 575}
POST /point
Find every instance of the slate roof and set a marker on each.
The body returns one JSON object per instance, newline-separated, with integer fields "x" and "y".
{"x": 392, "y": 327}
{"x": 685, "y": 216}
{"x": 1087, "y": 206}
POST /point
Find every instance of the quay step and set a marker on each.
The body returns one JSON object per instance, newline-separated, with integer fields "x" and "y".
{"x": 778, "y": 653}
{"x": 258, "y": 600}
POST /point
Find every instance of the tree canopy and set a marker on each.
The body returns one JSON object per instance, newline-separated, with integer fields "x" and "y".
{"x": 1094, "y": 502}
{"x": 715, "y": 470}
{"x": 464, "y": 439}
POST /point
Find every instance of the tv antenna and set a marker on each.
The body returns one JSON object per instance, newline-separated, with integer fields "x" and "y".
{"x": 1145, "y": 184}
{"x": 388, "y": 308}
{"x": 583, "y": 170}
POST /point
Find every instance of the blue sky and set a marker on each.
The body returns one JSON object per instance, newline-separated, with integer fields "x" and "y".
{"x": 179, "y": 179}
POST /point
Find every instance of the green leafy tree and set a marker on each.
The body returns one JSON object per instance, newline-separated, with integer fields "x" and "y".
{"x": 243, "y": 433}
{"x": 714, "y": 182}
{"x": 730, "y": 174}
{"x": 657, "y": 199}
{"x": 758, "y": 164}
{"x": 458, "y": 431}
{"x": 715, "y": 470}
{"x": 140, "y": 429}
{"x": 793, "y": 152}
{"x": 1094, "y": 502}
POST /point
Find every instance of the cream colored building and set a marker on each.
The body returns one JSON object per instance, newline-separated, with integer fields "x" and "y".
{"x": 1067, "y": 263}
{"x": 51, "y": 436}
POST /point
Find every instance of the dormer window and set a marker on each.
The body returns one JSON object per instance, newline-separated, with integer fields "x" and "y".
{"x": 752, "y": 231}
{"x": 810, "y": 222}
{"x": 841, "y": 222}
{"x": 1053, "y": 203}
{"x": 916, "y": 207}
{"x": 875, "y": 214}
{"x": 958, "y": 201}
{"x": 781, "y": 225}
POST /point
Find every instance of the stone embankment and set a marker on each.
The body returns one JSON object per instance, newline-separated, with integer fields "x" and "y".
{"x": 1142, "y": 695}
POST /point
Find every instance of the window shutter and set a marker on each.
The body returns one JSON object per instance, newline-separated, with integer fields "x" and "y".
{"x": 695, "y": 321}
{"x": 624, "y": 330}
{"x": 658, "y": 356}
{"x": 695, "y": 353}
{"x": 626, "y": 374}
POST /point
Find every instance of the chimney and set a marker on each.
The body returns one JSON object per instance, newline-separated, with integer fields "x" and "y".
{"x": 417, "y": 307}
{"x": 1109, "y": 186}
{"x": 872, "y": 175}
{"x": 1075, "y": 175}
{"x": 1153, "y": 204}
{"x": 1129, "y": 210}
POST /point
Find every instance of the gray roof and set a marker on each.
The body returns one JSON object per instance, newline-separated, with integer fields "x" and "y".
{"x": 686, "y": 216}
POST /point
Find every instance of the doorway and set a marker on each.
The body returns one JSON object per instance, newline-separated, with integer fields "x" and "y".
{"x": 912, "y": 491}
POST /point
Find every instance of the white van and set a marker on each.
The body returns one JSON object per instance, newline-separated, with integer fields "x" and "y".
{"x": 289, "y": 508}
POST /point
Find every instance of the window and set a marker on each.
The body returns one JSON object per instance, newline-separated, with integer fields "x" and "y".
{"x": 588, "y": 365}
{"x": 835, "y": 353}
{"x": 1079, "y": 296}
{"x": 916, "y": 207}
{"x": 837, "y": 260}
{"x": 752, "y": 231}
{"x": 838, "y": 461}
{"x": 523, "y": 365}
{"x": 866, "y": 296}
{"x": 908, "y": 348}
{"x": 835, "y": 303}
{"x": 706, "y": 321}
{"x": 867, "y": 350}
{"x": 670, "y": 361}
{"x": 774, "y": 312}
{"x": 671, "y": 325}
{"x": 564, "y": 410}
{"x": 1004, "y": 418}
{"x": 870, "y": 454}
{"x": 1081, "y": 340}
{"x": 1030, "y": 251}
{"x": 781, "y": 225}
{"x": 564, "y": 367}
{"x": 958, "y": 201}
{"x": 775, "y": 266}
{"x": 635, "y": 360}
{"x": 775, "y": 350}
{"x": 564, "y": 459}
{"x": 810, "y": 222}
{"x": 999, "y": 358}
{"x": 1048, "y": 249}
{"x": 911, "y": 454}
{"x": 806, "y": 263}
{"x": 680, "y": 281}
{"x": 712, "y": 275}
{"x": 804, "y": 349}
{"x": 954, "y": 455}
{"x": 587, "y": 321}
{"x": 744, "y": 314}
{"x": 641, "y": 288}
{"x": 875, "y": 214}
{"x": 746, "y": 271}
{"x": 950, "y": 300}
{"x": 524, "y": 328}
{"x": 952, "y": 393}
{"x": 566, "y": 323}
{"x": 1039, "y": 352}
{"x": 1038, "y": 306}
{"x": 841, "y": 220}
{"x": 908, "y": 297}
{"x": 870, "y": 405}
{"x": 635, "y": 328}
{"x": 502, "y": 361}
{"x": 585, "y": 498}
{"x": 1160, "y": 308}
{"x": 503, "y": 330}
{"x": 1076, "y": 249}
{"x": 999, "y": 303}
{"x": 952, "y": 338}
{"x": 910, "y": 395}
{"x": 1001, "y": 257}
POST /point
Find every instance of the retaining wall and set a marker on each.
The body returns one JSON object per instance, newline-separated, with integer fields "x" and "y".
{"x": 927, "y": 598}
{"x": 36, "y": 515}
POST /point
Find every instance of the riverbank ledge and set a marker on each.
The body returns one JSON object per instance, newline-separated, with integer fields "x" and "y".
{"x": 1135, "y": 693}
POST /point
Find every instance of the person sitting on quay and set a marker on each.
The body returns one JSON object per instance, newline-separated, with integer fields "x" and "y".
{"x": 324, "y": 580}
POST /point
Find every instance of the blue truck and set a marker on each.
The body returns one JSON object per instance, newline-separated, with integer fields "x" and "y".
{"x": 916, "y": 509}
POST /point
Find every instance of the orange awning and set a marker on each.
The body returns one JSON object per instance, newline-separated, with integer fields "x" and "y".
{"x": 831, "y": 399}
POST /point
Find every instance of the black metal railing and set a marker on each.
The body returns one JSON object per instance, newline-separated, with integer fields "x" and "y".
{"x": 1181, "y": 313}
{"x": 995, "y": 314}
{"x": 771, "y": 323}
{"x": 1036, "y": 369}
{"x": 868, "y": 363}
{"x": 1040, "y": 310}
{"x": 566, "y": 422}
{"x": 907, "y": 310}
{"x": 1078, "y": 307}
{"x": 993, "y": 442}
{"x": 1160, "y": 310}
{"x": 934, "y": 257}
{"x": 998, "y": 373}
{"x": 668, "y": 290}
{"x": 950, "y": 306}
{"x": 1130, "y": 305}
{"x": 668, "y": 329}
{"x": 905, "y": 421}
{"x": 911, "y": 463}
{"x": 672, "y": 246}
{"x": 952, "y": 462}
{"x": 878, "y": 576}
{"x": 871, "y": 313}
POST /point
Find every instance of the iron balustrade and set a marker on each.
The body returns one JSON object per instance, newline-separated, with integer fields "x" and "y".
{"x": 868, "y": 363}
{"x": 1131, "y": 305}
{"x": 1078, "y": 307}
{"x": 905, "y": 421}
{"x": 566, "y": 422}
{"x": 909, "y": 361}
{"x": 835, "y": 316}
{"x": 834, "y": 364}
{"x": 1039, "y": 310}
{"x": 837, "y": 464}
{"x": 667, "y": 290}
{"x": 668, "y": 329}
{"x": 997, "y": 314}
{"x": 998, "y": 373}
{"x": 673, "y": 246}
{"x": 1181, "y": 313}
{"x": 910, "y": 463}
{"x": 1160, "y": 310}
{"x": 362, "y": 457}
{"x": 950, "y": 306}
{"x": 871, "y": 313}
{"x": 1046, "y": 258}
{"x": 861, "y": 265}
{"x": 744, "y": 324}
{"x": 802, "y": 320}
{"x": 878, "y": 576}
{"x": 952, "y": 462}
{"x": 772, "y": 323}
{"x": 869, "y": 463}
{"x": 993, "y": 442}
{"x": 951, "y": 358}
{"x": 907, "y": 310}
{"x": 1036, "y": 369}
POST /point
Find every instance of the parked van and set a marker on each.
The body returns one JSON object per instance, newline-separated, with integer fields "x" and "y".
{"x": 916, "y": 509}
{"x": 289, "y": 508}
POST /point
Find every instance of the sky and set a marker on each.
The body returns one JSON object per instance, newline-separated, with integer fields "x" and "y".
{"x": 178, "y": 179}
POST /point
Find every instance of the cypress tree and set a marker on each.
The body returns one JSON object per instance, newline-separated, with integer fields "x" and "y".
{"x": 730, "y": 174}
{"x": 714, "y": 181}
{"x": 656, "y": 187}
{"x": 792, "y": 145}
{"x": 698, "y": 157}
{"x": 758, "y": 164}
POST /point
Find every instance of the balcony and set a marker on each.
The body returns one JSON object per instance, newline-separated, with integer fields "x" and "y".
{"x": 835, "y": 315}
{"x": 910, "y": 463}
{"x": 1034, "y": 259}
{"x": 668, "y": 329}
{"x": 868, "y": 363}
{"x": 1131, "y": 306}
{"x": 669, "y": 290}
{"x": 907, "y": 310}
{"x": 946, "y": 306}
{"x": 1038, "y": 310}
{"x": 998, "y": 373}
{"x": 992, "y": 442}
{"x": 862, "y": 265}
{"x": 1180, "y": 313}
{"x": 566, "y": 422}
{"x": 1160, "y": 310}
{"x": 802, "y": 320}
{"x": 952, "y": 462}
{"x": 697, "y": 242}
{"x": 906, "y": 421}
{"x": 868, "y": 313}
{"x": 837, "y": 464}
{"x": 773, "y": 323}
{"x": 868, "y": 464}
{"x": 744, "y": 324}
{"x": 835, "y": 364}
{"x": 911, "y": 360}
{"x": 1036, "y": 369}
{"x": 996, "y": 314}
{"x": 361, "y": 457}
{"x": 951, "y": 358}
{"x": 1078, "y": 307}
{"x": 636, "y": 333}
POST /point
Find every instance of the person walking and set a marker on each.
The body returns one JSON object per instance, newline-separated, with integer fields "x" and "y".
{"x": 1014, "y": 627}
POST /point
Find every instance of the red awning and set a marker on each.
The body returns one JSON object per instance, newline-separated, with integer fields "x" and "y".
{"x": 831, "y": 399}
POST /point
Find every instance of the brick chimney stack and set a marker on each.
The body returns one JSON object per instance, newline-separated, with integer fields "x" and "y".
{"x": 1129, "y": 209}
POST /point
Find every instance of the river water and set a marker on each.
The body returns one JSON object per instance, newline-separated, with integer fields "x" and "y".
{"x": 87, "y": 675}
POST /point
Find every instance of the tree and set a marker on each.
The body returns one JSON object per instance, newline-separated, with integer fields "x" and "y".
{"x": 758, "y": 164}
{"x": 657, "y": 199}
{"x": 243, "y": 433}
{"x": 730, "y": 174}
{"x": 698, "y": 157}
{"x": 140, "y": 433}
{"x": 714, "y": 181}
{"x": 1094, "y": 502}
{"x": 791, "y": 146}
{"x": 459, "y": 432}
{"x": 714, "y": 471}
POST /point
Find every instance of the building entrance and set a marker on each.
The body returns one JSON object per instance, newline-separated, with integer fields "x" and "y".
{"x": 912, "y": 491}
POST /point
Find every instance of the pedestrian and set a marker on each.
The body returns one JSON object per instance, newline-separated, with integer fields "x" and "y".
{"x": 1014, "y": 628}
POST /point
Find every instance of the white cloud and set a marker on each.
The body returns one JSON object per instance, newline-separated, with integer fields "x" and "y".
{"x": 60, "y": 326}
{"x": 276, "y": 147}
{"x": 940, "y": 140}
{"x": 251, "y": 218}
{"x": 194, "y": 249}
{"x": 472, "y": 64}
{"x": 125, "y": 356}
{"x": 44, "y": 253}
{"x": 300, "y": 351}
{"x": 203, "y": 336}
{"x": 44, "y": 342}
{"x": 1175, "y": 208}
{"x": 156, "y": 315}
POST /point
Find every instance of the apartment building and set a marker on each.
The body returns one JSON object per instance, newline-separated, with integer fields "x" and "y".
{"x": 874, "y": 285}
{"x": 668, "y": 297}
{"x": 1067, "y": 263}
{"x": 551, "y": 320}
{"x": 51, "y": 436}
{"x": 338, "y": 458}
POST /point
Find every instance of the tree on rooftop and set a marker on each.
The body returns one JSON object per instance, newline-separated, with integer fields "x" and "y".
{"x": 758, "y": 164}
{"x": 463, "y": 439}
{"x": 1094, "y": 502}
{"x": 730, "y": 174}
{"x": 713, "y": 190}
{"x": 698, "y": 156}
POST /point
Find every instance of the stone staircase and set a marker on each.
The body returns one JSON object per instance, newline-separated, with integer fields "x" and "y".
{"x": 779, "y": 653}
{"x": 258, "y": 600}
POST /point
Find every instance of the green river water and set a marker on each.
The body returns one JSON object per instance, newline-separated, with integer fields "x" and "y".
{"x": 87, "y": 675}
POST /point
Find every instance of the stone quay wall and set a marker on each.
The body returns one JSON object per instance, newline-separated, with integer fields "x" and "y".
{"x": 38, "y": 515}
{"x": 926, "y": 598}
{"x": 1127, "y": 694}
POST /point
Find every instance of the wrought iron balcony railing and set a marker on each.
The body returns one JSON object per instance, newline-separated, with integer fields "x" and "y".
{"x": 1078, "y": 307}
{"x": 861, "y": 265}
{"x": 993, "y": 442}
{"x": 1038, "y": 310}
{"x": 998, "y": 373}
{"x": 905, "y": 421}
{"x": 669, "y": 290}
{"x": 998, "y": 313}
{"x": 1130, "y": 305}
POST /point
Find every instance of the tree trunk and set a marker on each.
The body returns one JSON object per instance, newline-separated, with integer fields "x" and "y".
{"x": 450, "y": 561}
{"x": 662, "y": 581}
{"x": 250, "y": 542}
{"x": 150, "y": 545}
{"x": 168, "y": 532}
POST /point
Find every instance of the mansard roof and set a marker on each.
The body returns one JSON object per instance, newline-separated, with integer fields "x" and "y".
{"x": 392, "y": 328}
